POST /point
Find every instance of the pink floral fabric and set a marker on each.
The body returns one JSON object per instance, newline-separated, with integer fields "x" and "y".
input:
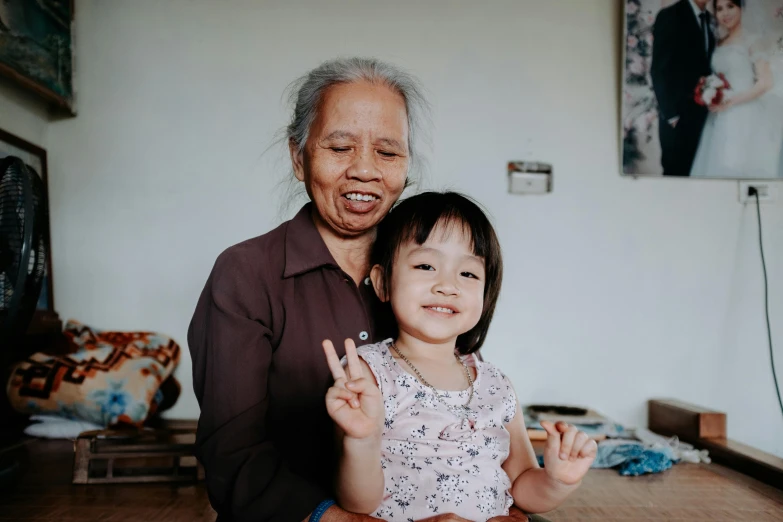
{"x": 433, "y": 461}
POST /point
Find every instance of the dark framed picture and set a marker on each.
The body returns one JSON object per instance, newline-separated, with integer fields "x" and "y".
{"x": 35, "y": 158}
{"x": 703, "y": 89}
{"x": 36, "y": 48}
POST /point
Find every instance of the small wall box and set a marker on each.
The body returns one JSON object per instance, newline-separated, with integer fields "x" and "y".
{"x": 529, "y": 177}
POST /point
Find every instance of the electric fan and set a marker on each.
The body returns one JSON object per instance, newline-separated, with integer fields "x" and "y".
{"x": 23, "y": 233}
{"x": 23, "y": 225}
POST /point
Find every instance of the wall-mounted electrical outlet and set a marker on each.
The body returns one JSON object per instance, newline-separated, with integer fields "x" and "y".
{"x": 767, "y": 191}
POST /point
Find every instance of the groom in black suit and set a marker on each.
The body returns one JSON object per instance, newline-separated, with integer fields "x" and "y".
{"x": 683, "y": 43}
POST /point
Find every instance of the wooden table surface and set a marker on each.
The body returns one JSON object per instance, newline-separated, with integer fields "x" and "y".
{"x": 684, "y": 493}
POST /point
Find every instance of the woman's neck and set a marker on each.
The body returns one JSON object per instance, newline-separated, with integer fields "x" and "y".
{"x": 734, "y": 34}
{"x": 352, "y": 254}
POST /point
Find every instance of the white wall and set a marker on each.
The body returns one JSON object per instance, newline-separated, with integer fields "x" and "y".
{"x": 617, "y": 290}
{"x": 22, "y": 114}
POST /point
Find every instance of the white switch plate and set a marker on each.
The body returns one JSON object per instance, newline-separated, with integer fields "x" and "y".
{"x": 529, "y": 177}
{"x": 767, "y": 191}
{"x": 529, "y": 183}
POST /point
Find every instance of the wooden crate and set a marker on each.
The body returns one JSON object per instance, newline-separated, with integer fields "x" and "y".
{"x": 146, "y": 455}
{"x": 689, "y": 422}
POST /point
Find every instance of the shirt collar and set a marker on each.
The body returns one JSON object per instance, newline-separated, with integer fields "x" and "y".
{"x": 697, "y": 11}
{"x": 305, "y": 249}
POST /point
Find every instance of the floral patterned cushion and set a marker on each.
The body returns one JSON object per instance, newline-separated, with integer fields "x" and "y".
{"x": 110, "y": 378}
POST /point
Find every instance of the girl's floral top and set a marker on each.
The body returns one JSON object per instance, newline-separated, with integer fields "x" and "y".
{"x": 433, "y": 461}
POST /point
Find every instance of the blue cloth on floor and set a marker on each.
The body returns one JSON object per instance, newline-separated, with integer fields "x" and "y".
{"x": 632, "y": 458}
{"x": 614, "y": 453}
{"x": 651, "y": 460}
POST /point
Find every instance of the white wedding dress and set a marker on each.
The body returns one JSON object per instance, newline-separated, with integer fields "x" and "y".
{"x": 744, "y": 141}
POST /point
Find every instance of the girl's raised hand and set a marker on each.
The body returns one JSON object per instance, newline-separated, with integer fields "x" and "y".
{"x": 354, "y": 401}
{"x": 569, "y": 453}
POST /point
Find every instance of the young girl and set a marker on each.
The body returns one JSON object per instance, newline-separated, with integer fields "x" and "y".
{"x": 426, "y": 427}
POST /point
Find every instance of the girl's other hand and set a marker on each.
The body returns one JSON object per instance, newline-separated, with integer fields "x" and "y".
{"x": 354, "y": 401}
{"x": 569, "y": 453}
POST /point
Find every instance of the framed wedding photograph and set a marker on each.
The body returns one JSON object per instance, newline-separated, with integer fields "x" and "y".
{"x": 703, "y": 89}
{"x": 35, "y": 158}
{"x": 36, "y": 48}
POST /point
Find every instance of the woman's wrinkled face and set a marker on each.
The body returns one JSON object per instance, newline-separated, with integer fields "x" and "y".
{"x": 728, "y": 14}
{"x": 355, "y": 162}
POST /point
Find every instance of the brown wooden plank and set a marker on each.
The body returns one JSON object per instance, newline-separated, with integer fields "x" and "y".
{"x": 688, "y": 421}
{"x": 81, "y": 461}
{"x": 706, "y": 429}
{"x": 745, "y": 459}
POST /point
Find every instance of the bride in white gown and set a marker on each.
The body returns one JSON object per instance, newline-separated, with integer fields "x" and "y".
{"x": 743, "y": 136}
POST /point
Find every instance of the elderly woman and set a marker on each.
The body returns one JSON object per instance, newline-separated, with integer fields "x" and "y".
{"x": 264, "y": 437}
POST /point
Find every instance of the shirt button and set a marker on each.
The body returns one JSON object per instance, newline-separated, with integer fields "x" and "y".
{"x": 364, "y": 336}
{"x": 367, "y": 281}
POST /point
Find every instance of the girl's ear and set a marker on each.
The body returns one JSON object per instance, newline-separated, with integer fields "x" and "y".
{"x": 376, "y": 276}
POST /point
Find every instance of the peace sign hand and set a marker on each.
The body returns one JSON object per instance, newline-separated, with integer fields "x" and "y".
{"x": 354, "y": 401}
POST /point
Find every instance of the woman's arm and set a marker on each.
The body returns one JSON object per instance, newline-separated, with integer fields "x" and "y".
{"x": 354, "y": 403}
{"x": 764, "y": 83}
{"x": 246, "y": 477}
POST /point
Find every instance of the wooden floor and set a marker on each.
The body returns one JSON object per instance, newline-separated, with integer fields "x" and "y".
{"x": 686, "y": 492}
{"x": 46, "y": 494}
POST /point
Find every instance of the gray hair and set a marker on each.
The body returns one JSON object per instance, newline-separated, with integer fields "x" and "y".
{"x": 306, "y": 94}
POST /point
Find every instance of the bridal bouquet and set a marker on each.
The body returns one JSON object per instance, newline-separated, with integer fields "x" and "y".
{"x": 712, "y": 90}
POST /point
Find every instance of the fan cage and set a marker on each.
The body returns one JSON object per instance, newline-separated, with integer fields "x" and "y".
{"x": 23, "y": 232}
